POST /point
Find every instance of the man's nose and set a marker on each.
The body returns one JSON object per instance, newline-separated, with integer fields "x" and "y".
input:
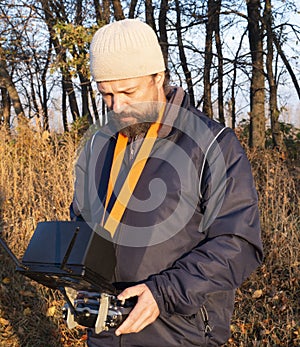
{"x": 118, "y": 103}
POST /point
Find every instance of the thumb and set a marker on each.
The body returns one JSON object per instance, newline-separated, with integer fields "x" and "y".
{"x": 132, "y": 291}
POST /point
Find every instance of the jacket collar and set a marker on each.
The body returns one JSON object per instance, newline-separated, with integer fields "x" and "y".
{"x": 175, "y": 100}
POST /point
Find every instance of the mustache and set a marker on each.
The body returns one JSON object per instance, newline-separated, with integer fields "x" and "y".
{"x": 138, "y": 116}
{"x": 147, "y": 113}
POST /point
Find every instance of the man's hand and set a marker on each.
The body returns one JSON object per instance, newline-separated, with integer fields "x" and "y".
{"x": 144, "y": 312}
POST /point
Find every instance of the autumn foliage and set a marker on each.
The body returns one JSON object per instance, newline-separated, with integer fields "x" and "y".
{"x": 36, "y": 180}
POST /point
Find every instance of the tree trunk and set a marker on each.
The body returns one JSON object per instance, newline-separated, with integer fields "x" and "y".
{"x": 183, "y": 60}
{"x": 33, "y": 96}
{"x": 162, "y": 23}
{"x": 118, "y": 11}
{"x": 7, "y": 83}
{"x": 44, "y": 97}
{"x": 233, "y": 83}
{"x": 69, "y": 88}
{"x": 274, "y": 111}
{"x": 257, "y": 89}
{"x": 106, "y": 11}
{"x": 232, "y": 101}
{"x": 93, "y": 101}
{"x": 103, "y": 120}
{"x": 78, "y": 17}
{"x": 5, "y": 108}
{"x": 85, "y": 111}
{"x": 286, "y": 63}
{"x": 132, "y": 8}
{"x": 150, "y": 14}
{"x": 207, "y": 104}
{"x": 84, "y": 82}
{"x": 220, "y": 62}
{"x": 64, "y": 106}
{"x": 67, "y": 83}
{"x": 98, "y": 11}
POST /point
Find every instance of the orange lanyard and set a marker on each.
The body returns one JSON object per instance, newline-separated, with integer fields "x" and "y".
{"x": 133, "y": 176}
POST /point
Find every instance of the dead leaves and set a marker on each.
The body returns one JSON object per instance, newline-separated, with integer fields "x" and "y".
{"x": 51, "y": 311}
{"x": 27, "y": 293}
{"x": 3, "y": 321}
{"x": 27, "y": 311}
{"x": 6, "y": 280}
{"x": 257, "y": 294}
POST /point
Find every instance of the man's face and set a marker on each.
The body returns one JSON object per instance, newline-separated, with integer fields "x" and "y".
{"x": 133, "y": 102}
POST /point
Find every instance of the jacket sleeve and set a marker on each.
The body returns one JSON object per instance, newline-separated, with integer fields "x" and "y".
{"x": 232, "y": 248}
{"x": 79, "y": 208}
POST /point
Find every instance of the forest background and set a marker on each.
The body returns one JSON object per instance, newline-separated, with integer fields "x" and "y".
{"x": 239, "y": 62}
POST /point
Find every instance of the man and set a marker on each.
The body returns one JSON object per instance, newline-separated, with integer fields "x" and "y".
{"x": 175, "y": 191}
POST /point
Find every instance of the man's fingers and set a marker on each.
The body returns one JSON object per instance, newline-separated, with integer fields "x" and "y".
{"x": 131, "y": 292}
{"x": 137, "y": 320}
{"x": 144, "y": 313}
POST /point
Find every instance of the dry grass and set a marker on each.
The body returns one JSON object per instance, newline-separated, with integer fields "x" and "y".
{"x": 267, "y": 305}
{"x": 36, "y": 184}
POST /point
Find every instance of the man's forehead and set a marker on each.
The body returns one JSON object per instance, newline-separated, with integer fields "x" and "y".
{"x": 122, "y": 85}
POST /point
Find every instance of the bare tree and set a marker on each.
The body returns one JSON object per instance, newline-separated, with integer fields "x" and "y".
{"x": 234, "y": 82}
{"x": 150, "y": 14}
{"x": 7, "y": 84}
{"x": 220, "y": 62}
{"x": 5, "y": 107}
{"x": 274, "y": 111}
{"x": 106, "y": 11}
{"x": 162, "y": 22}
{"x": 102, "y": 11}
{"x": 84, "y": 81}
{"x": 132, "y": 8}
{"x": 118, "y": 10}
{"x": 207, "y": 103}
{"x": 182, "y": 56}
{"x": 52, "y": 17}
{"x": 284, "y": 58}
{"x": 209, "y": 69}
{"x": 257, "y": 89}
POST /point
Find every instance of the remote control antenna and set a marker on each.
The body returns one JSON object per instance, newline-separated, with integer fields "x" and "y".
{"x": 68, "y": 251}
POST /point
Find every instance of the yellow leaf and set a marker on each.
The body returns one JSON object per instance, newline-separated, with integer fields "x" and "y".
{"x": 27, "y": 293}
{"x": 257, "y": 294}
{"x": 4, "y": 321}
{"x": 6, "y": 280}
{"x": 27, "y": 311}
{"x": 51, "y": 311}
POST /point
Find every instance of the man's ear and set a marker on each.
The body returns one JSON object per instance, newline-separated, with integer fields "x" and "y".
{"x": 159, "y": 79}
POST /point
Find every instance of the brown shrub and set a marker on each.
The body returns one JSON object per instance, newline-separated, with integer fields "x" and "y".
{"x": 267, "y": 305}
{"x": 36, "y": 183}
{"x": 36, "y": 180}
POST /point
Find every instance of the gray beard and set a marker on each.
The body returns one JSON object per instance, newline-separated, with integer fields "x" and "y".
{"x": 141, "y": 127}
{"x": 134, "y": 130}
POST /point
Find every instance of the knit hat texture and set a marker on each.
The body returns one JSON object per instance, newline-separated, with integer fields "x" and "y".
{"x": 125, "y": 49}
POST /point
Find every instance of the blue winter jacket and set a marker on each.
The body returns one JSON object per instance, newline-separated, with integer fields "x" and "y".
{"x": 191, "y": 230}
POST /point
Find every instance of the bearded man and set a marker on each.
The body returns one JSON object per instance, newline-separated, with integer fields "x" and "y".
{"x": 175, "y": 191}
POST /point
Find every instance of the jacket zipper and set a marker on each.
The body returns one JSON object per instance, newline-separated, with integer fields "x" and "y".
{"x": 134, "y": 146}
{"x": 132, "y": 150}
{"x": 204, "y": 315}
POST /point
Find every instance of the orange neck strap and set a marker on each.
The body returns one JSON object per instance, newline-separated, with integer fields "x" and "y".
{"x": 133, "y": 176}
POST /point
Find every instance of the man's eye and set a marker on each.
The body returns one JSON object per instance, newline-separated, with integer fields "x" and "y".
{"x": 131, "y": 92}
{"x": 106, "y": 95}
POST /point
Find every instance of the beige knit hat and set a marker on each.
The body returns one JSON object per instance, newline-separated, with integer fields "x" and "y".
{"x": 125, "y": 49}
